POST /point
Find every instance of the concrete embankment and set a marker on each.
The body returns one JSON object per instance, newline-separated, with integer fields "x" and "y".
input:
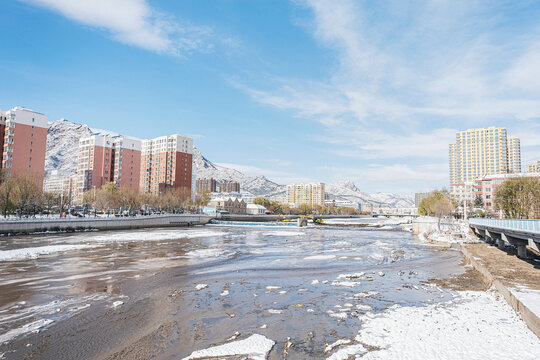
{"x": 100, "y": 223}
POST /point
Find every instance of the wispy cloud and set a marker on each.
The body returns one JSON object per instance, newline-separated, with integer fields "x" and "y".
{"x": 134, "y": 22}
{"x": 408, "y": 76}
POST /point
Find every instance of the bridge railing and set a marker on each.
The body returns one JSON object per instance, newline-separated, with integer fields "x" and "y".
{"x": 510, "y": 224}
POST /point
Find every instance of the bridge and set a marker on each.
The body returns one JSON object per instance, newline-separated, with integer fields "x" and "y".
{"x": 522, "y": 234}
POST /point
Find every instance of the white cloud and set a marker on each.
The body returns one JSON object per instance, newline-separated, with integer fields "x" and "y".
{"x": 408, "y": 77}
{"x": 133, "y": 22}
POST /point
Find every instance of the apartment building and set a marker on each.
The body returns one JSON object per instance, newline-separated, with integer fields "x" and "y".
{"x": 24, "y": 140}
{"x": 480, "y": 152}
{"x": 535, "y": 166}
{"x": 229, "y": 187}
{"x": 206, "y": 185}
{"x": 166, "y": 163}
{"x": 487, "y": 186}
{"x": 310, "y": 194}
{"x": 463, "y": 192}
{"x": 126, "y": 162}
{"x": 514, "y": 155}
{"x": 95, "y": 163}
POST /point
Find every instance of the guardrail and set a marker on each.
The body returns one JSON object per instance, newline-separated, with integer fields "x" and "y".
{"x": 532, "y": 226}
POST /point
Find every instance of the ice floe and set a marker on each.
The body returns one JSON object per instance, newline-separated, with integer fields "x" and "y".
{"x": 201, "y": 286}
{"x": 255, "y": 347}
{"x": 35, "y": 252}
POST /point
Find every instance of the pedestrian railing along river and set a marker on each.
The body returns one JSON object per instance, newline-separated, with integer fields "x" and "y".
{"x": 531, "y": 226}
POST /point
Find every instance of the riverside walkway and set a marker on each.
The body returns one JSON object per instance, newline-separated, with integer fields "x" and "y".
{"x": 522, "y": 234}
{"x": 28, "y": 226}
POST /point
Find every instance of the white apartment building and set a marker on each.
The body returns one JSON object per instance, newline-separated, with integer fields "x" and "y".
{"x": 310, "y": 194}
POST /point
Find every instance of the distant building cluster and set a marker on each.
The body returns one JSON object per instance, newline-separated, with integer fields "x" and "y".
{"x": 148, "y": 166}
{"x": 535, "y": 166}
{"x": 213, "y": 186}
{"x": 481, "y": 160}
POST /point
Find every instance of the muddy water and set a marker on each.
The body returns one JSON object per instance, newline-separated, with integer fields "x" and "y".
{"x": 164, "y": 293}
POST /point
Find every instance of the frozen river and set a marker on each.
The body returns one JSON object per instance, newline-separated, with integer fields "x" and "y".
{"x": 316, "y": 292}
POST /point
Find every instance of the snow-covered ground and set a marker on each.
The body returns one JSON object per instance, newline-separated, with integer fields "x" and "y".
{"x": 474, "y": 325}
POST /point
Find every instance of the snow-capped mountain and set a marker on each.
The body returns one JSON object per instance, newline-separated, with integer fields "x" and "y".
{"x": 252, "y": 185}
{"x": 62, "y": 150}
{"x": 63, "y": 146}
{"x": 347, "y": 191}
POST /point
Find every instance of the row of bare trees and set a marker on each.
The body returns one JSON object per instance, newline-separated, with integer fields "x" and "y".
{"x": 110, "y": 198}
{"x": 22, "y": 195}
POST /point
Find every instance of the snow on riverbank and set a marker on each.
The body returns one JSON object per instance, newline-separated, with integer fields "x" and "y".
{"x": 255, "y": 347}
{"x": 454, "y": 231}
{"x": 470, "y": 326}
{"x": 35, "y": 252}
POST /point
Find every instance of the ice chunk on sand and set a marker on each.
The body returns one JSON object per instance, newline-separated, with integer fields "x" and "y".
{"x": 224, "y": 293}
{"x": 314, "y": 282}
{"x": 255, "y": 347}
{"x": 275, "y": 312}
{"x": 201, "y": 286}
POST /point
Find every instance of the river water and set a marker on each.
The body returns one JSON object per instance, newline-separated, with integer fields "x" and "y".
{"x": 165, "y": 293}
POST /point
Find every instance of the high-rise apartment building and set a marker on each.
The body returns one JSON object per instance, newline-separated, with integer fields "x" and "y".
{"x": 126, "y": 162}
{"x": 206, "y": 185}
{"x": 95, "y": 163}
{"x": 310, "y": 194}
{"x": 166, "y": 163}
{"x": 514, "y": 155}
{"x": 535, "y": 166}
{"x": 104, "y": 159}
{"x": 24, "y": 139}
{"x": 229, "y": 187}
{"x": 479, "y": 152}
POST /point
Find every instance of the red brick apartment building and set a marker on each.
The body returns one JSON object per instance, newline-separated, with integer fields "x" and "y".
{"x": 23, "y": 134}
{"x": 104, "y": 159}
{"x": 166, "y": 163}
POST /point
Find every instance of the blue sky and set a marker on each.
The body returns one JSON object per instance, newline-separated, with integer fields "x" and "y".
{"x": 368, "y": 91}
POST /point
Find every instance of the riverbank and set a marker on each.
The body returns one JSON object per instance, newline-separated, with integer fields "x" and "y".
{"x": 247, "y": 291}
{"x": 517, "y": 280}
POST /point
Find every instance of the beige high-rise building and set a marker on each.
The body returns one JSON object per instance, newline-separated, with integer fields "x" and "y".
{"x": 535, "y": 166}
{"x": 514, "y": 155}
{"x": 310, "y": 194}
{"x": 480, "y": 152}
